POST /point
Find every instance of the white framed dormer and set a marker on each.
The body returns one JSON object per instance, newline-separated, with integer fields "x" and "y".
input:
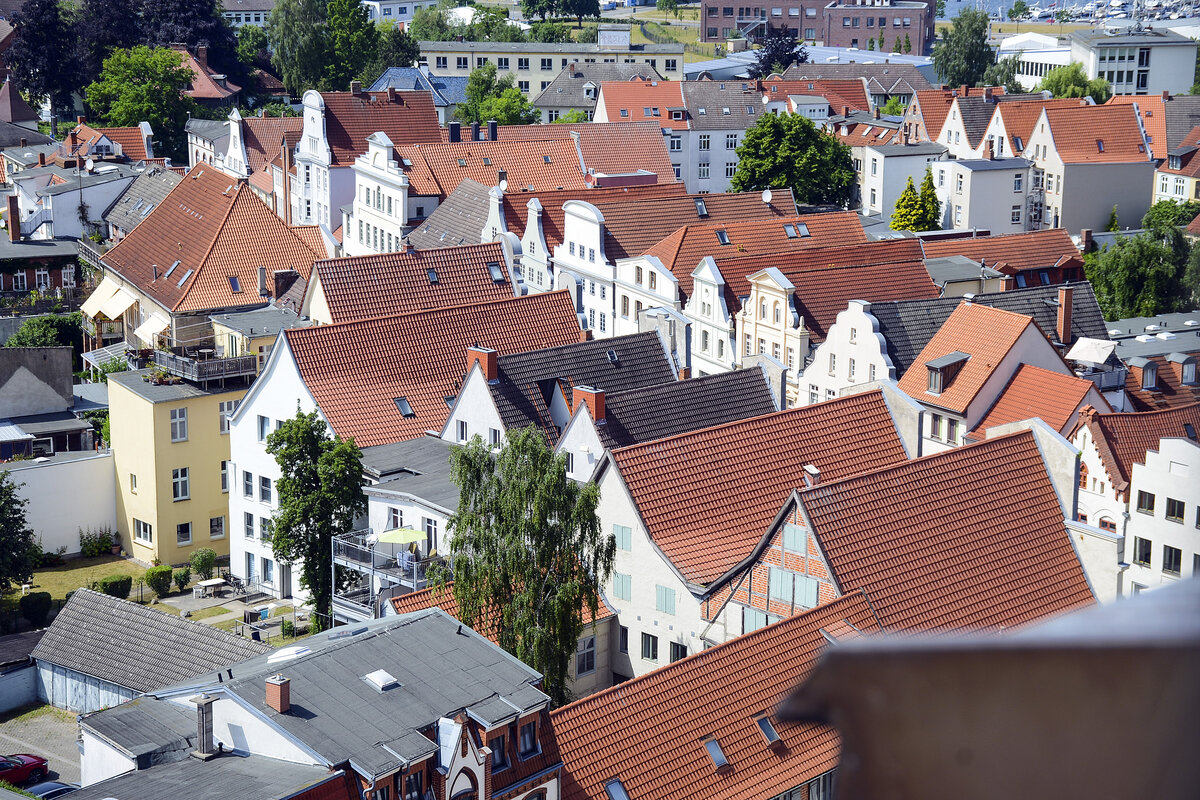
{"x": 712, "y": 325}
{"x": 537, "y": 268}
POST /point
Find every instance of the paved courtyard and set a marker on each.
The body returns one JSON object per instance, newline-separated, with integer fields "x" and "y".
{"x": 46, "y": 732}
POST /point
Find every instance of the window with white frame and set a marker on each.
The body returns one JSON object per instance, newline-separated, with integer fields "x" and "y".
{"x": 264, "y": 488}
{"x": 248, "y": 525}
{"x": 183, "y": 534}
{"x": 395, "y": 518}
{"x": 225, "y": 409}
{"x": 216, "y": 527}
{"x": 585, "y": 656}
{"x": 180, "y": 484}
{"x": 143, "y": 531}
{"x": 179, "y": 425}
{"x": 264, "y": 428}
{"x": 224, "y": 477}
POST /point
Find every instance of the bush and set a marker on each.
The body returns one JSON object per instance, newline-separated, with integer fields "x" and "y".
{"x": 41, "y": 559}
{"x": 115, "y": 586}
{"x": 287, "y": 628}
{"x": 95, "y": 543}
{"x": 182, "y": 578}
{"x": 204, "y": 561}
{"x": 159, "y": 580}
{"x": 35, "y": 607}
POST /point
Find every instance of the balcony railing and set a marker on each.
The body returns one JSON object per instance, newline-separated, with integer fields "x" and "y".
{"x": 1105, "y": 380}
{"x": 198, "y": 368}
{"x": 90, "y": 253}
{"x": 391, "y": 562}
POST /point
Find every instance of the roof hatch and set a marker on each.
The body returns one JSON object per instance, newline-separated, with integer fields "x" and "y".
{"x": 381, "y": 679}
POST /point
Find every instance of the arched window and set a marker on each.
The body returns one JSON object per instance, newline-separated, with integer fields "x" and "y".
{"x": 1083, "y": 476}
{"x": 777, "y": 315}
{"x": 762, "y": 310}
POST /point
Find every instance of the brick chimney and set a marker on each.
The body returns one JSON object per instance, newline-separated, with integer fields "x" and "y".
{"x": 202, "y": 57}
{"x": 964, "y": 90}
{"x": 812, "y": 475}
{"x": 81, "y": 120}
{"x": 594, "y": 398}
{"x": 876, "y": 112}
{"x": 391, "y": 94}
{"x": 987, "y": 93}
{"x": 1087, "y": 414}
{"x": 1085, "y": 240}
{"x": 41, "y": 159}
{"x": 488, "y": 360}
{"x": 14, "y": 219}
{"x": 279, "y": 693}
{"x": 1065, "y": 307}
{"x": 1166, "y": 95}
{"x": 845, "y": 111}
{"x": 988, "y": 152}
{"x": 356, "y": 87}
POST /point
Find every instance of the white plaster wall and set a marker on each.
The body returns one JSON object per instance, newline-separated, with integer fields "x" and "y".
{"x": 1098, "y": 553}
{"x": 1091, "y": 190}
{"x": 91, "y": 483}
{"x": 583, "y": 227}
{"x": 243, "y": 731}
{"x": 581, "y": 440}
{"x": 413, "y": 512}
{"x": 1171, "y": 472}
{"x": 476, "y": 407}
{"x": 707, "y": 313}
{"x": 1098, "y": 499}
{"x": 98, "y": 760}
{"x": 854, "y": 335}
{"x": 664, "y": 294}
{"x": 18, "y": 687}
{"x": 987, "y": 197}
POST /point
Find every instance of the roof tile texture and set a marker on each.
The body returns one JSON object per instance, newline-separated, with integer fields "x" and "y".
{"x": 1168, "y": 390}
{"x": 611, "y": 148}
{"x": 937, "y": 544}
{"x": 1035, "y": 392}
{"x": 1078, "y": 132}
{"x": 1020, "y": 116}
{"x": 706, "y": 517}
{"x": 629, "y": 101}
{"x": 350, "y": 118}
{"x": 1020, "y": 251}
{"x": 438, "y": 169}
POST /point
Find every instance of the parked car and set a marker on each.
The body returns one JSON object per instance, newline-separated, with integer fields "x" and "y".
{"x": 22, "y": 768}
{"x": 51, "y": 789}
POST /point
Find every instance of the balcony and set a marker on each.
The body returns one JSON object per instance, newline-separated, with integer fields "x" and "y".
{"x": 91, "y": 253}
{"x": 198, "y": 364}
{"x": 1105, "y": 380}
{"x": 382, "y": 571}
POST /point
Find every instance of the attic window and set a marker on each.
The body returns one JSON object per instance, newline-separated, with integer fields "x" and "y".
{"x": 171, "y": 269}
{"x": 767, "y": 729}
{"x": 722, "y": 236}
{"x": 646, "y": 111}
{"x": 406, "y": 410}
{"x": 1019, "y": 144}
{"x": 1100, "y": 145}
{"x": 942, "y": 371}
{"x": 462, "y": 162}
{"x": 493, "y": 268}
{"x": 431, "y": 273}
{"x": 676, "y": 115}
{"x": 183, "y": 280}
{"x": 790, "y": 230}
{"x": 612, "y": 356}
{"x": 624, "y": 112}
{"x": 487, "y": 162}
{"x": 802, "y": 229}
{"x": 725, "y": 111}
{"x": 1149, "y": 375}
{"x": 702, "y": 111}
{"x": 615, "y": 790}
{"x": 235, "y": 286}
{"x": 715, "y": 753}
{"x": 406, "y": 162}
{"x": 701, "y": 208}
{"x": 655, "y": 111}
{"x": 546, "y": 159}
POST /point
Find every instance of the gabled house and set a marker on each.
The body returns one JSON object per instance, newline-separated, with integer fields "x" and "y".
{"x": 1167, "y": 118}
{"x": 884, "y": 80}
{"x": 577, "y": 87}
{"x": 634, "y": 416}
{"x": 1038, "y": 257}
{"x": 1015, "y": 118}
{"x": 377, "y": 381}
{"x": 208, "y": 87}
{"x": 130, "y": 144}
{"x": 47, "y": 199}
{"x": 1177, "y": 178}
{"x": 612, "y": 153}
{"x": 966, "y": 366}
{"x": 926, "y": 114}
{"x": 964, "y": 128}
{"x": 1052, "y": 397}
{"x": 448, "y": 92}
{"x": 37, "y": 404}
{"x": 1136, "y": 482}
{"x": 13, "y": 108}
{"x": 544, "y": 388}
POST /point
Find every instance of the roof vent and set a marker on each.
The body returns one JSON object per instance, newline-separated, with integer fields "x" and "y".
{"x": 1166, "y": 335}
{"x": 1191, "y": 323}
{"x": 1145, "y": 337}
{"x": 812, "y": 475}
{"x": 381, "y": 679}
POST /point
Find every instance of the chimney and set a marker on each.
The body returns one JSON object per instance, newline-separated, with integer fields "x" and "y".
{"x": 14, "y": 219}
{"x": 845, "y": 111}
{"x": 493, "y": 130}
{"x": 391, "y": 94}
{"x": 989, "y": 152}
{"x": 474, "y": 131}
{"x": 279, "y": 693}
{"x": 488, "y": 362}
{"x": 204, "y": 726}
{"x": 965, "y": 90}
{"x": 594, "y": 398}
{"x": 1065, "y": 307}
{"x": 1085, "y": 240}
{"x": 987, "y": 93}
{"x": 24, "y": 142}
{"x": 812, "y": 475}
{"x": 41, "y": 159}
{"x": 262, "y": 282}
{"x": 455, "y": 129}
{"x": 80, "y": 120}
{"x": 1166, "y": 95}
{"x": 574, "y": 68}
{"x": 356, "y": 87}
{"x": 202, "y": 57}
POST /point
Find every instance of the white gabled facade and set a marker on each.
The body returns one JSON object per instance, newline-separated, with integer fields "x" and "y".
{"x": 854, "y": 352}
{"x": 769, "y": 324}
{"x": 379, "y": 212}
{"x": 319, "y": 188}
{"x": 474, "y": 412}
{"x": 713, "y": 349}
{"x": 582, "y": 266}
{"x": 993, "y": 194}
{"x": 641, "y": 283}
{"x": 580, "y": 442}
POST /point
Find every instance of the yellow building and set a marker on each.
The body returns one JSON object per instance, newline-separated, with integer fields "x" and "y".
{"x": 171, "y": 451}
{"x": 243, "y": 333}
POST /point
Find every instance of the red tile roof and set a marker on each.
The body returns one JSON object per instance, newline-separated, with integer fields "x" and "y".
{"x": 131, "y": 140}
{"x": 985, "y": 334}
{"x": 1097, "y": 134}
{"x": 933, "y": 105}
{"x": 647, "y": 732}
{"x": 862, "y": 134}
{"x": 612, "y": 148}
{"x": 1152, "y": 112}
{"x": 1169, "y": 391}
{"x": 532, "y": 166}
{"x": 637, "y": 97}
{"x": 356, "y": 370}
{"x": 408, "y": 118}
{"x": 264, "y": 136}
{"x": 1193, "y": 228}
{"x": 386, "y": 284}
{"x": 516, "y": 214}
{"x": 706, "y": 517}
{"x": 1123, "y": 439}
{"x": 1021, "y": 115}
{"x": 1189, "y": 165}
{"x": 311, "y": 235}
{"x": 215, "y": 229}
{"x": 969, "y": 538}
{"x": 1052, "y": 397}
{"x": 840, "y": 93}
{"x": 1018, "y": 251}
{"x": 203, "y": 85}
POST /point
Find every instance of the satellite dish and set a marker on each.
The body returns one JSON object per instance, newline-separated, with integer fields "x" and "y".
{"x": 766, "y": 196}
{"x": 504, "y": 185}
{"x": 89, "y": 164}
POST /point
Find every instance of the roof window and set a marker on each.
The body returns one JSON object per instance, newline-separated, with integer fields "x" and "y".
{"x": 715, "y": 753}
{"x": 701, "y": 111}
{"x": 1190, "y": 430}
{"x": 725, "y": 111}
{"x": 722, "y": 236}
{"x": 183, "y": 280}
{"x": 493, "y": 268}
{"x": 147, "y": 209}
{"x": 612, "y": 356}
{"x": 404, "y": 407}
{"x": 646, "y": 111}
{"x": 487, "y": 162}
{"x": 431, "y": 273}
{"x": 624, "y": 112}
{"x": 942, "y": 371}
{"x": 462, "y": 162}
{"x": 802, "y": 229}
{"x": 546, "y": 159}
{"x": 1100, "y": 145}
{"x": 701, "y": 208}
{"x": 654, "y": 111}
{"x": 171, "y": 269}
{"x": 616, "y": 790}
{"x": 790, "y": 230}
{"x": 381, "y": 679}
{"x": 767, "y": 729}
{"x": 235, "y": 286}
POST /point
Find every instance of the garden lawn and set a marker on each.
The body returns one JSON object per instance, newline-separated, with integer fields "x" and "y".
{"x": 76, "y": 573}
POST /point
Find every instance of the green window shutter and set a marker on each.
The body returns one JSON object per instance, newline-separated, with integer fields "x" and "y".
{"x": 624, "y": 536}
{"x": 665, "y": 599}
{"x": 622, "y": 587}
{"x": 807, "y": 596}
{"x": 779, "y": 585}
{"x": 793, "y": 538}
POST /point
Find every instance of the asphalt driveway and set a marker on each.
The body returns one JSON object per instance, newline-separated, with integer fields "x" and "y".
{"x": 46, "y": 732}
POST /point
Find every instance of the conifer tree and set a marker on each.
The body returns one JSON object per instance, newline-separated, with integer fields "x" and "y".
{"x": 931, "y": 207}
{"x": 907, "y": 214}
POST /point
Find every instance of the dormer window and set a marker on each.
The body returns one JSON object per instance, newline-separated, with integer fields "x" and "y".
{"x": 528, "y": 743}
{"x": 1149, "y": 375}
{"x": 942, "y": 371}
{"x": 1174, "y": 162}
{"x": 676, "y": 115}
{"x": 1189, "y": 372}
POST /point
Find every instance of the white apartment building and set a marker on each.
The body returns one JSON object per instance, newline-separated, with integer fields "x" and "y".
{"x": 1152, "y": 61}
{"x": 319, "y": 185}
{"x": 994, "y": 194}
{"x": 400, "y": 13}
{"x": 886, "y": 170}
{"x": 378, "y": 213}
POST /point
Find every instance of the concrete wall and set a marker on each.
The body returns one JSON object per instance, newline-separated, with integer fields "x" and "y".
{"x": 18, "y": 687}
{"x": 34, "y": 380}
{"x": 90, "y": 483}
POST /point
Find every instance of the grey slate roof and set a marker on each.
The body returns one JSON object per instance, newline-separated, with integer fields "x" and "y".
{"x": 446, "y": 91}
{"x": 669, "y": 409}
{"x": 957, "y": 268}
{"x": 975, "y": 112}
{"x": 706, "y": 102}
{"x": 413, "y": 456}
{"x": 528, "y": 380}
{"x": 891, "y": 78}
{"x": 11, "y": 136}
{"x": 145, "y": 727}
{"x": 141, "y": 197}
{"x": 207, "y": 129}
{"x": 266, "y": 321}
{"x": 458, "y": 220}
{"x": 566, "y": 90}
{"x": 15, "y": 648}
{"x": 908, "y": 325}
{"x": 28, "y": 155}
{"x": 913, "y": 149}
{"x": 1182, "y": 113}
{"x": 227, "y": 777}
{"x": 441, "y": 667}
{"x": 136, "y": 647}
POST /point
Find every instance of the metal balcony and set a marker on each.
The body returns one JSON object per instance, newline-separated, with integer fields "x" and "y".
{"x": 199, "y": 365}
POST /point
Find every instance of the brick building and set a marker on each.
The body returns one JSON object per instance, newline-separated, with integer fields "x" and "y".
{"x": 845, "y": 23}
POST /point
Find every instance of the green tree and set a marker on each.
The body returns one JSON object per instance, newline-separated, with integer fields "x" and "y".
{"x": 549, "y": 32}
{"x": 1019, "y": 10}
{"x": 279, "y": 110}
{"x": 931, "y": 207}
{"x": 296, "y": 32}
{"x": 145, "y": 84}
{"x": 871, "y": 44}
{"x": 16, "y": 537}
{"x": 121, "y": 28}
{"x": 396, "y": 49}
{"x": 320, "y": 496}
{"x": 1070, "y": 80}
{"x": 668, "y": 7}
{"x": 51, "y": 330}
{"x": 537, "y": 8}
{"x": 493, "y": 25}
{"x": 1062, "y": 17}
{"x": 251, "y": 43}
{"x": 940, "y": 9}
{"x": 204, "y": 561}
{"x": 1191, "y": 279}
{"x": 894, "y": 107}
{"x": 1004, "y": 73}
{"x": 490, "y": 98}
{"x": 430, "y": 25}
{"x": 572, "y": 117}
{"x": 588, "y": 35}
{"x": 881, "y": 39}
{"x": 787, "y": 150}
{"x": 907, "y": 44}
{"x": 190, "y": 22}
{"x": 1169, "y": 214}
{"x": 352, "y": 41}
{"x": 963, "y": 54}
{"x": 907, "y": 214}
{"x": 579, "y": 9}
{"x": 44, "y": 54}
{"x": 778, "y": 52}
{"x": 1114, "y": 221}
{"x": 1142, "y": 276}
{"x": 527, "y": 550}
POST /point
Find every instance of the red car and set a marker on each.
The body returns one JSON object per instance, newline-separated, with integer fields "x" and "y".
{"x": 22, "y": 768}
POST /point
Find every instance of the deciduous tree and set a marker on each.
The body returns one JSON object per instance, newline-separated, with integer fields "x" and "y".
{"x": 296, "y": 31}
{"x": 44, "y": 56}
{"x": 579, "y": 9}
{"x": 396, "y": 49}
{"x": 145, "y": 84}
{"x": 527, "y": 550}
{"x": 1143, "y": 275}
{"x": 16, "y": 537}
{"x": 121, "y": 28}
{"x": 430, "y": 25}
{"x": 192, "y": 23}
{"x": 1004, "y": 73}
{"x": 252, "y": 44}
{"x": 787, "y": 151}
{"x": 1169, "y": 214}
{"x": 894, "y": 107}
{"x": 778, "y": 52}
{"x": 572, "y": 117}
{"x": 352, "y": 42}
{"x": 537, "y": 8}
{"x": 963, "y": 54}
{"x": 490, "y": 98}
{"x": 320, "y": 496}
{"x": 1070, "y": 80}
{"x": 1019, "y": 10}
{"x": 549, "y": 32}
{"x": 47, "y": 331}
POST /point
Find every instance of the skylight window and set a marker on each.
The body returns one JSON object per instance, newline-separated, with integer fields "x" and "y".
{"x": 487, "y": 162}
{"x": 701, "y": 208}
{"x": 616, "y": 790}
{"x": 612, "y": 356}
{"x": 171, "y": 269}
{"x": 722, "y": 236}
{"x": 431, "y": 273}
{"x": 702, "y": 111}
{"x": 624, "y": 112}
{"x": 147, "y": 209}
{"x": 646, "y": 111}
{"x": 802, "y": 229}
{"x": 183, "y": 280}
{"x": 235, "y": 286}
{"x": 725, "y": 110}
{"x": 1100, "y": 145}
{"x": 462, "y": 162}
{"x": 1189, "y": 430}
{"x": 546, "y": 159}
{"x": 403, "y": 406}
{"x": 767, "y": 729}
{"x": 493, "y": 268}
{"x": 381, "y": 679}
{"x": 715, "y": 753}
{"x": 790, "y": 230}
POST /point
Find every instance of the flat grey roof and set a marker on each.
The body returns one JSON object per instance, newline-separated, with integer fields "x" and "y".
{"x": 416, "y": 456}
{"x": 39, "y": 248}
{"x": 956, "y": 268}
{"x": 1148, "y": 38}
{"x": 920, "y": 149}
{"x": 265, "y": 321}
{"x": 57, "y": 458}
{"x": 435, "y": 487}
{"x": 1132, "y": 326}
{"x": 132, "y": 380}
{"x": 947, "y": 360}
{"x": 226, "y": 777}
{"x": 90, "y": 396}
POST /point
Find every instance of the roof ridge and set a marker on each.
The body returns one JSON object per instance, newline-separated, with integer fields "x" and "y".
{"x": 598, "y": 342}
{"x": 1143, "y": 414}
{"x": 716, "y": 377}
{"x": 417, "y": 252}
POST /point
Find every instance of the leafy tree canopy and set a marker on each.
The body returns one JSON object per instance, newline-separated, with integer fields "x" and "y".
{"x": 778, "y": 52}
{"x": 121, "y": 28}
{"x": 1144, "y": 275}
{"x": 1019, "y": 10}
{"x": 193, "y": 23}
{"x": 1004, "y": 73}
{"x": 43, "y": 57}
{"x": 579, "y": 9}
{"x": 352, "y": 43}
{"x": 296, "y": 32}
{"x": 894, "y": 107}
{"x": 963, "y": 54}
{"x": 145, "y": 84}
{"x": 1070, "y": 80}
{"x": 787, "y": 150}
{"x": 572, "y": 117}
{"x": 47, "y": 331}
{"x": 16, "y": 537}
{"x": 668, "y": 7}
{"x": 490, "y": 98}
{"x": 396, "y": 49}
{"x": 527, "y": 550}
{"x": 931, "y": 207}
{"x": 1169, "y": 214}
{"x": 252, "y": 43}
{"x": 549, "y": 32}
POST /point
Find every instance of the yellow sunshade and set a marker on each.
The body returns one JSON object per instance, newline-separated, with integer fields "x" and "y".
{"x": 103, "y": 294}
{"x": 118, "y": 304}
{"x": 402, "y": 536}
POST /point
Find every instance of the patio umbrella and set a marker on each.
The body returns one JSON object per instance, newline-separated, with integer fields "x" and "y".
{"x": 402, "y": 536}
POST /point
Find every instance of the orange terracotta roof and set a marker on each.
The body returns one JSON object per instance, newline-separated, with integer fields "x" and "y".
{"x": 311, "y": 235}
{"x": 636, "y": 98}
{"x": 1189, "y": 165}
{"x": 985, "y": 334}
{"x": 648, "y": 732}
{"x": 356, "y": 370}
{"x": 263, "y": 137}
{"x": 214, "y": 229}
{"x": 1123, "y": 439}
{"x": 1097, "y": 134}
{"x": 1193, "y": 228}
{"x": 1052, "y": 397}
{"x": 385, "y": 284}
{"x": 203, "y": 85}
{"x": 532, "y": 166}
{"x": 706, "y": 517}
{"x": 1152, "y": 112}
{"x": 840, "y": 93}
{"x": 1169, "y": 391}
{"x": 1019, "y": 251}
{"x": 516, "y": 213}
{"x": 407, "y": 118}
{"x": 612, "y": 148}
{"x": 488, "y": 626}
{"x": 933, "y": 105}
{"x": 131, "y": 140}
{"x": 1021, "y": 115}
{"x": 970, "y": 538}
{"x": 861, "y": 134}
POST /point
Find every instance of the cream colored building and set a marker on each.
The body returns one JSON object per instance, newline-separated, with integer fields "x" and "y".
{"x": 769, "y": 324}
{"x": 171, "y": 455}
